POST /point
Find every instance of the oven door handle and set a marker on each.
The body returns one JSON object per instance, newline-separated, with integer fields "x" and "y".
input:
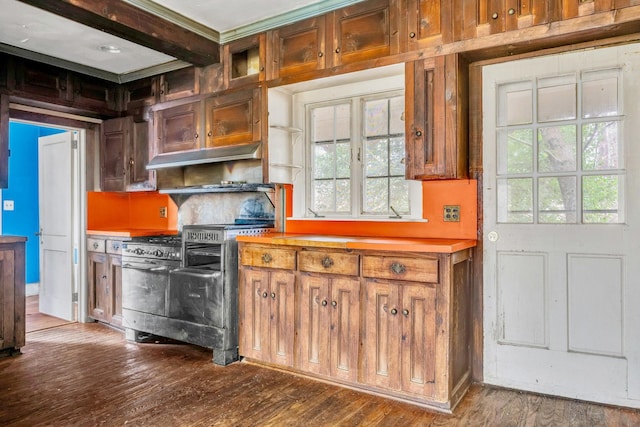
{"x": 156, "y": 268}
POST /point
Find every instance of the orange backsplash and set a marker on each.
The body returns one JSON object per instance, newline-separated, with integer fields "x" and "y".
{"x": 134, "y": 210}
{"x": 435, "y": 195}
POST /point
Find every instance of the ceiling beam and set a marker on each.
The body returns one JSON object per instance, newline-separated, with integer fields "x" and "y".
{"x": 128, "y": 22}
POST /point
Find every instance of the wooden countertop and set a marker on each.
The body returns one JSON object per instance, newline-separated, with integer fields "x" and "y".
{"x": 400, "y": 244}
{"x": 132, "y": 232}
{"x": 12, "y": 239}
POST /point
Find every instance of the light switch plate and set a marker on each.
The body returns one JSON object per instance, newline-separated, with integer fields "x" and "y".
{"x": 8, "y": 205}
{"x": 452, "y": 213}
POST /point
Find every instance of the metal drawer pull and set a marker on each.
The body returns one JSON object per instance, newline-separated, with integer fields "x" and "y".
{"x": 264, "y": 295}
{"x": 394, "y": 311}
{"x": 398, "y": 268}
{"x": 405, "y": 312}
{"x": 327, "y": 262}
{"x": 324, "y": 302}
{"x": 267, "y": 258}
{"x": 95, "y": 245}
{"x": 192, "y": 295}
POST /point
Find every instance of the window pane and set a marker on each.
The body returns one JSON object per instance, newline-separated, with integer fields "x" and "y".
{"x": 557, "y": 149}
{"x": 600, "y": 195}
{"x": 398, "y": 194}
{"x": 376, "y": 116}
{"x": 556, "y": 99}
{"x": 515, "y": 151}
{"x": 600, "y": 149}
{"x": 322, "y": 119}
{"x": 600, "y": 94}
{"x": 376, "y": 195}
{"x": 396, "y": 160}
{"x": 343, "y": 160}
{"x": 396, "y": 119}
{"x": 323, "y": 161}
{"x": 557, "y": 200}
{"x": 515, "y": 200}
{"x": 376, "y": 158}
{"x": 343, "y": 195}
{"x": 323, "y": 196}
{"x": 515, "y": 104}
{"x": 343, "y": 121}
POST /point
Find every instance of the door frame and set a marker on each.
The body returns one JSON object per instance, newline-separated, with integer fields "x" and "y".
{"x": 82, "y": 125}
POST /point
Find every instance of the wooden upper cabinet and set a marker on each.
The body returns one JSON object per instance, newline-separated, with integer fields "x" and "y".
{"x": 498, "y": 16}
{"x": 436, "y": 118}
{"x": 364, "y": 31}
{"x": 95, "y": 94}
{"x": 244, "y": 61}
{"x": 4, "y": 141}
{"x": 139, "y": 94}
{"x": 115, "y": 135}
{"x": 297, "y": 48}
{"x": 234, "y": 118}
{"x": 41, "y": 82}
{"x": 177, "y": 128}
{"x": 179, "y": 84}
{"x": 124, "y": 155}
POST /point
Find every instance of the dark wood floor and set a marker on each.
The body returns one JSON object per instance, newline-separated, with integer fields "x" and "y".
{"x": 89, "y": 375}
{"x": 35, "y": 320}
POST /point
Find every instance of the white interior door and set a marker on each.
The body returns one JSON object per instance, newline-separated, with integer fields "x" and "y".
{"x": 562, "y": 224}
{"x": 55, "y": 166}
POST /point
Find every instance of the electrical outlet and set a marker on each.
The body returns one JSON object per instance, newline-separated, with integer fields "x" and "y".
{"x": 163, "y": 212}
{"x": 452, "y": 213}
{"x": 8, "y": 205}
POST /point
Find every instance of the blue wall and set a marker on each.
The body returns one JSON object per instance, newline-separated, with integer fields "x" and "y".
{"x": 23, "y": 190}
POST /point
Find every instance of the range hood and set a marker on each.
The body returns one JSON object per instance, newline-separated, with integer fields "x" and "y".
{"x": 207, "y": 155}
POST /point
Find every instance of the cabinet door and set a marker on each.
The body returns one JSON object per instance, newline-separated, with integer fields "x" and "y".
{"x": 139, "y": 177}
{"x": 178, "y": 128}
{"x": 93, "y": 93}
{"x": 281, "y": 287}
{"x": 234, "y": 118}
{"x": 114, "y": 289}
{"x": 314, "y": 324}
{"x": 382, "y": 332}
{"x": 298, "y": 48}
{"x": 179, "y": 84}
{"x": 97, "y": 271}
{"x": 344, "y": 306}
{"x": 7, "y": 299}
{"x": 498, "y": 16}
{"x": 116, "y": 134}
{"x": 417, "y": 314}
{"x": 41, "y": 82}
{"x": 254, "y": 314}
{"x": 4, "y": 140}
{"x": 364, "y": 31}
{"x": 244, "y": 61}
{"x": 436, "y": 145}
{"x": 139, "y": 94}
{"x": 429, "y": 23}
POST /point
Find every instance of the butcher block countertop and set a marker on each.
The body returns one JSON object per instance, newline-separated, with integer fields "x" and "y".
{"x": 12, "y": 239}
{"x": 399, "y": 244}
{"x": 132, "y": 232}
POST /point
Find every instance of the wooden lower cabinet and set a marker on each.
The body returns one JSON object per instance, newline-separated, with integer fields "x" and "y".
{"x": 391, "y": 323}
{"x": 104, "y": 268}
{"x": 266, "y": 315}
{"x": 12, "y": 294}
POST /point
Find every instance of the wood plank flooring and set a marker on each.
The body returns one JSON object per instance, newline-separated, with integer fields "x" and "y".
{"x": 35, "y": 320}
{"x": 89, "y": 375}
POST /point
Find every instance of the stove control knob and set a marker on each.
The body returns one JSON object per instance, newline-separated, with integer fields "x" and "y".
{"x": 158, "y": 253}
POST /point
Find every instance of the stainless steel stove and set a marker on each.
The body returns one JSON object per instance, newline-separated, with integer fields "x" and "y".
{"x": 187, "y": 287}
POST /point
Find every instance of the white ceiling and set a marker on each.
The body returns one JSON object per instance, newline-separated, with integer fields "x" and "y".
{"x": 36, "y": 34}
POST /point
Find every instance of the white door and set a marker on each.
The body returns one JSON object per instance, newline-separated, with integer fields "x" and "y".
{"x": 562, "y": 224}
{"x": 55, "y": 168}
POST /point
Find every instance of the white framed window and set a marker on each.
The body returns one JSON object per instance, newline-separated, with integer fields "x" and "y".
{"x": 353, "y": 153}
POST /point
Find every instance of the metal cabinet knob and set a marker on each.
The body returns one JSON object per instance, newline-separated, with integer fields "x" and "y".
{"x": 495, "y": 15}
{"x": 267, "y": 258}
{"x": 95, "y": 245}
{"x": 394, "y": 311}
{"x": 412, "y": 34}
{"x": 209, "y": 133}
{"x": 264, "y": 295}
{"x": 511, "y": 11}
{"x": 327, "y": 262}
{"x": 334, "y": 303}
{"x": 324, "y": 303}
{"x": 196, "y": 136}
{"x": 398, "y": 268}
{"x": 320, "y": 54}
{"x": 337, "y": 50}
{"x": 418, "y": 133}
{"x": 273, "y": 295}
{"x": 405, "y": 312}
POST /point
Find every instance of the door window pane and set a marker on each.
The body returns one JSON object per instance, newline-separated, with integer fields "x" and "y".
{"x": 515, "y": 104}
{"x": 600, "y": 146}
{"x": 515, "y": 151}
{"x": 557, "y": 200}
{"x": 600, "y": 196}
{"x": 600, "y": 93}
{"x": 557, "y": 149}
{"x": 515, "y": 200}
{"x": 557, "y": 99}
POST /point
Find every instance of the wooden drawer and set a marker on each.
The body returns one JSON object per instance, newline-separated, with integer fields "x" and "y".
{"x": 256, "y": 256}
{"x": 328, "y": 262}
{"x": 400, "y": 268}
{"x": 114, "y": 247}
{"x": 95, "y": 245}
